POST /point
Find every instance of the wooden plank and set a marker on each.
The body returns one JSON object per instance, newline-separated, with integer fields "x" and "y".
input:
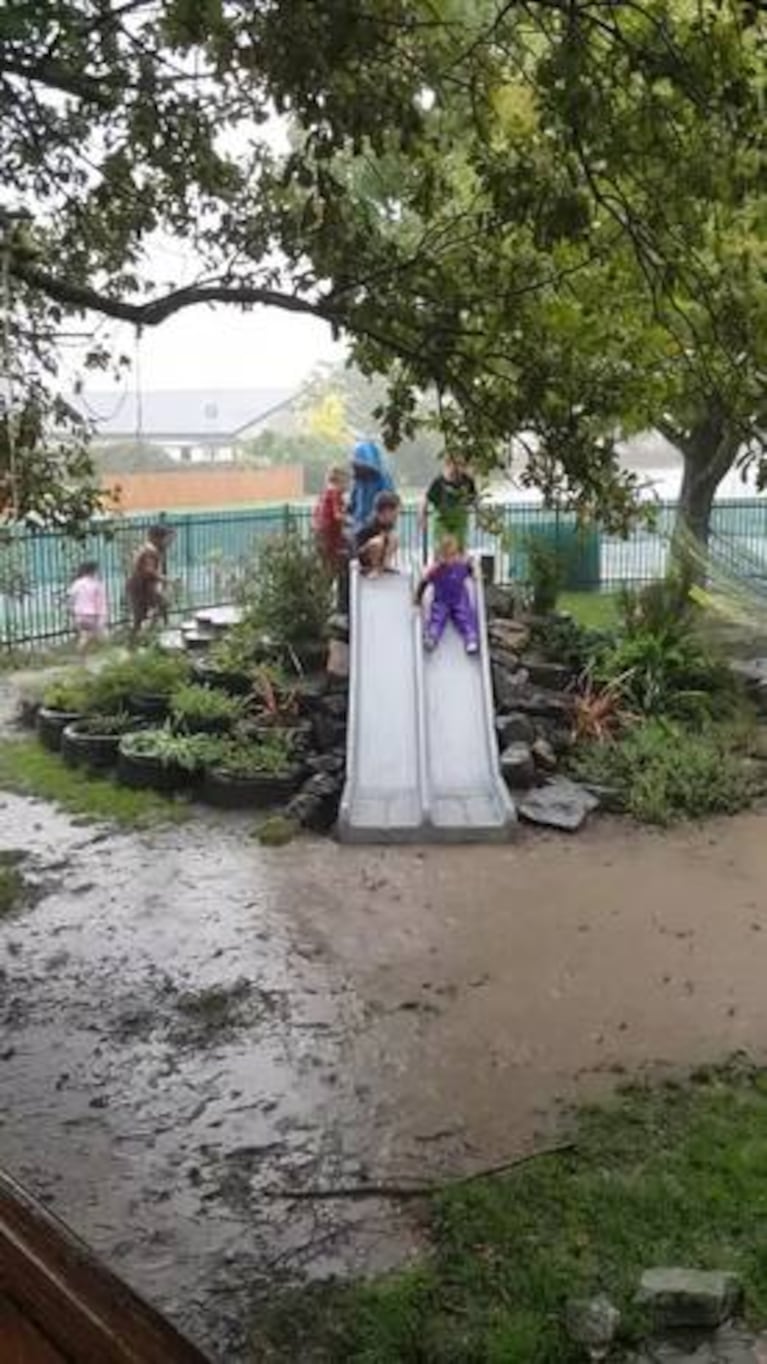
{"x": 87, "y": 1313}
{"x": 20, "y": 1341}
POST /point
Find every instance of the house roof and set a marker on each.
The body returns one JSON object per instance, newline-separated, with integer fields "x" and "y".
{"x": 207, "y": 414}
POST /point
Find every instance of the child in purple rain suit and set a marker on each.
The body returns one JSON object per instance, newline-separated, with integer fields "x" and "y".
{"x": 449, "y": 578}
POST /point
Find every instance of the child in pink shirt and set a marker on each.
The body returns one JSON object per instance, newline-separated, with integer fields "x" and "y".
{"x": 88, "y": 602}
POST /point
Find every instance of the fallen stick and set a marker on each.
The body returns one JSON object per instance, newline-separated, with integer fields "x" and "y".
{"x": 403, "y": 1191}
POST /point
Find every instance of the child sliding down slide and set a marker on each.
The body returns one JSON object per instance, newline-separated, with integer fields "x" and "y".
{"x": 451, "y": 600}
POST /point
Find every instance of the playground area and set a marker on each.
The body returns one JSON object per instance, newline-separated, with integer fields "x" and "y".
{"x": 233, "y": 1025}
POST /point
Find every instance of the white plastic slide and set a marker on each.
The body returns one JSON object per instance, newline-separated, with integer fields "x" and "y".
{"x": 422, "y": 761}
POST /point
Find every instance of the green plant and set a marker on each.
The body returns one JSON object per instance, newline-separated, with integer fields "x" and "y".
{"x": 660, "y": 608}
{"x": 273, "y": 757}
{"x": 239, "y": 650}
{"x": 71, "y": 693}
{"x": 190, "y": 752}
{"x": 562, "y": 640}
{"x": 545, "y": 572}
{"x": 154, "y": 673}
{"x": 192, "y": 703}
{"x": 659, "y": 772}
{"x": 107, "y": 725}
{"x": 288, "y": 596}
{"x": 668, "y": 673}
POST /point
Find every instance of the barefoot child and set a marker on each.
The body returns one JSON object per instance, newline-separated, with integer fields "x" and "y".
{"x": 88, "y": 603}
{"x": 449, "y": 577}
{"x": 376, "y": 544}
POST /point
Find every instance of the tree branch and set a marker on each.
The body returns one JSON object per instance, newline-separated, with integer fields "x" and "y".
{"x": 57, "y": 77}
{"x": 83, "y": 298}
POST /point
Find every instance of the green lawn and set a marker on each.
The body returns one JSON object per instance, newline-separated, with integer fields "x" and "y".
{"x": 30, "y": 770}
{"x": 677, "y": 1176}
{"x": 595, "y": 610}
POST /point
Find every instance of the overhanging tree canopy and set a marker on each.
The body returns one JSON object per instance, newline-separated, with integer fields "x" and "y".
{"x": 552, "y": 213}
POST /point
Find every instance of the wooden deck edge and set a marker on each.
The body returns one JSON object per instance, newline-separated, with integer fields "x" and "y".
{"x": 84, "y": 1309}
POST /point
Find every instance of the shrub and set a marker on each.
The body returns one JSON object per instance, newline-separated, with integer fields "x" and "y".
{"x": 191, "y": 704}
{"x": 546, "y": 571}
{"x": 239, "y": 650}
{"x": 289, "y": 595}
{"x": 661, "y": 772}
{"x": 107, "y": 691}
{"x": 273, "y": 757}
{"x": 562, "y": 640}
{"x": 71, "y": 694}
{"x": 191, "y": 752}
{"x": 657, "y": 609}
{"x": 666, "y": 673}
{"x": 109, "y": 725}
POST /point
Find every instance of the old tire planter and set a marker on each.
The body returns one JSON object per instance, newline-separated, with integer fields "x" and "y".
{"x": 97, "y": 752}
{"x": 249, "y": 793}
{"x": 150, "y": 774}
{"x": 202, "y": 726}
{"x": 50, "y": 726}
{"x": 149, "y": 705}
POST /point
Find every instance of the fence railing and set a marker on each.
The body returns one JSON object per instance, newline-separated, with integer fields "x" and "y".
{"x": 212, "y": 551}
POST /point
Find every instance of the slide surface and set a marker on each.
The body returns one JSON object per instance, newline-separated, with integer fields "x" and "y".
{"x": 422, "y": 759}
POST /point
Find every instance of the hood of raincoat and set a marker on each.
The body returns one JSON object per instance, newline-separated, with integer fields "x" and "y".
{"x": 368, "y": 456}
{"x": 366, "y": 487}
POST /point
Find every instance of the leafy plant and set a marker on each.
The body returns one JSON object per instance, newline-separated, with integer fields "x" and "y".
{"x": 600, "y": 712}
{"x": 288, "y": 596}
{"x": 192, "y": 704}
{"x": 154, "y": 673}
{"x": 71, "y": 694}
{"x": 660, "y": 772}
{"x": 546, "y": 573}
{"x": 275, "y": 697}
{"x": 191, "y": 752}
{"x": 107, "y": 725}
{"x": 562, "y": 640}
{"x": 668, "y": 674}
{"x": 239, "y": 650}
{"x": 273, "y": 757}
{"x": 657, "y": 609}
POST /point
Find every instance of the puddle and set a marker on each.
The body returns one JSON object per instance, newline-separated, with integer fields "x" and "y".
{"x": 170, "y": 1050}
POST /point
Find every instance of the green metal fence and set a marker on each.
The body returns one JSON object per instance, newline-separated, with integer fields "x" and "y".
{"x": 211, "y": 552}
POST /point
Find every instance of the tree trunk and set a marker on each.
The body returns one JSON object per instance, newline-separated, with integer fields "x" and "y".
{"x": 696, "y": 498}
{"x": 709, "y": 450}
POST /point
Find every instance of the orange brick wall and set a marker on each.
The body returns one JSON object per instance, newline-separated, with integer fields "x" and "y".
{"x": 207, "y": 487}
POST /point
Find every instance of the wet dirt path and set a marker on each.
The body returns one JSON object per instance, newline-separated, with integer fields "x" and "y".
{"x": 189, "y": 1020}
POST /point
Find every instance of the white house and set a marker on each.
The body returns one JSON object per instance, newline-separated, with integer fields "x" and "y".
{"x": 195, "y": 427}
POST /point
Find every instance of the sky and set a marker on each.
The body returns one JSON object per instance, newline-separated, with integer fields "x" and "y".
{"x": 219, "y": 348}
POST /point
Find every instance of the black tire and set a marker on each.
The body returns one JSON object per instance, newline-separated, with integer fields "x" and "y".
{"x": 249, "y": 793}
{"x": 200, "y": 726}
{"x": 148, "y": 706}
{"x": 97, "y": 752}
{"x": 50, "y": 726}
{"x": 149, "y": 774}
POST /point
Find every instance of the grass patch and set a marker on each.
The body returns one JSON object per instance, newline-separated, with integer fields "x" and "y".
{"x": 594, "y": 610}
{"x": 14, "y": 891}
{"x": 29, "y": 770}
{"x": 676, "y": 1176}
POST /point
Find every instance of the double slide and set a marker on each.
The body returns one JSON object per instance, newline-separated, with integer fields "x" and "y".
{"x": 422, "y": 759}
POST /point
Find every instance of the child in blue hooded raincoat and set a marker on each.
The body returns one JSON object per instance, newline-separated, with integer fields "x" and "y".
{"x": 370, "y": 477}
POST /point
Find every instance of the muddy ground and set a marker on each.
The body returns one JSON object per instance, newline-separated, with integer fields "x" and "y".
{"x": 192, "y": 1024}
